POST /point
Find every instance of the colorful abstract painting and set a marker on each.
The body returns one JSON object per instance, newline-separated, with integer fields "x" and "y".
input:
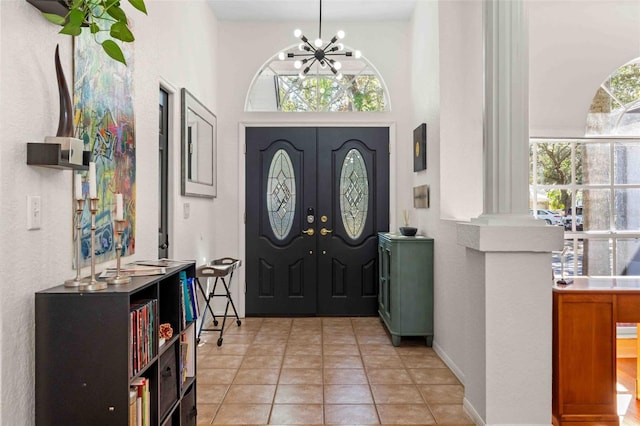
{"x": 104, "y": 120}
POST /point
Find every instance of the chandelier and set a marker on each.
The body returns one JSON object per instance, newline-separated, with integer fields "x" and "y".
{"x": 318, "y": 52}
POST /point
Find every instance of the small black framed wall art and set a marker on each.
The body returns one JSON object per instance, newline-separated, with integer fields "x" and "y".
{"x": 420, "y": 148}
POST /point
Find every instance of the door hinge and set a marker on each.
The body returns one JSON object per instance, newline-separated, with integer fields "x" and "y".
{"x": 245, "y": 148}
{"x": 245, "y": 218}
{"x": 245, "y": 287}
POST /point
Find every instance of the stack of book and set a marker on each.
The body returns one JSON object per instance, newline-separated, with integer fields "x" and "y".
{"x": 143, "y": 336}
{"x": 140, "y": 402}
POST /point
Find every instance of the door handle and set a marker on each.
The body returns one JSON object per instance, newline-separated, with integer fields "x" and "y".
{"x": 325, "y": 231}
{"x": 309, "y": 232}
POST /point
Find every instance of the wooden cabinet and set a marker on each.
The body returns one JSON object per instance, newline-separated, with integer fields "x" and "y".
{"x": 85, "y": 352}
{"x": 405, "y": 294}
{"x": 585, "y": 314}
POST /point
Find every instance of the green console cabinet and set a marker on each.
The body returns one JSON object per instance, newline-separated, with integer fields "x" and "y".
{"x": 405, "y": 297}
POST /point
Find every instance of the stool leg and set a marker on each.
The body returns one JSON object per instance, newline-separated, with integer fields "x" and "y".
{"x": 211, "y": 296}
{"x": 204, "y": 314}
{"x": 207, "y": 299}
{"x": 230, "y": 300}
{"x": 224, "y": 317}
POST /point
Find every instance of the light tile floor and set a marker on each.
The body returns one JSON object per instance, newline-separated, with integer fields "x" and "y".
{"x": 306, "y": 371}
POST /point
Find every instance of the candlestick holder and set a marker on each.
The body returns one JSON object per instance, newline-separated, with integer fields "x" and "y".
{"x": 91, "y": 283}
{"x": 77, "y": 281}
{"x": 119, "y": 279}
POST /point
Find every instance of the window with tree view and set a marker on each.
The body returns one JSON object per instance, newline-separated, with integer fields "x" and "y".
{"x": 278, "y": 87}
{"x": 593, "y": 183}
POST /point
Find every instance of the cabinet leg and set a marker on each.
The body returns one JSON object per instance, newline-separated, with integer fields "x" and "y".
{"x": 395, "y": 340}
{"x": 430, "y": 341}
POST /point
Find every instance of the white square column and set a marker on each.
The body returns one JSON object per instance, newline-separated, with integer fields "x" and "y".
{"x": 508, "y": 374}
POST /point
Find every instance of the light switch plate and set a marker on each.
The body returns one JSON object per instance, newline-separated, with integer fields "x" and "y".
{"x": 34, "y": 212}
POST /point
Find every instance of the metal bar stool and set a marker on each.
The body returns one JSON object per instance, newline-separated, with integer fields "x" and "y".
{"x": 218, "y": 269}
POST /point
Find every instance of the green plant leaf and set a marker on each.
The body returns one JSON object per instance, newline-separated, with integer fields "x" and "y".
{"x": 113, "y": 50}
{"x": 94, "y": 28}
{"x": 139, "y": 4}
{"x": 117, "y": 13}
{"x": 56, "y": 19}
{"x": 121, "y": 32}
{"x": 76, "y": 4}
{"x": 76, "y": 17}
{"x": 71, "y": 29}
{"x": 111, "y": 3}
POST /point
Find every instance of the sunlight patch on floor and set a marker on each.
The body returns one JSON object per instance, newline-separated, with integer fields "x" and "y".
{"x": 624, "y": 399}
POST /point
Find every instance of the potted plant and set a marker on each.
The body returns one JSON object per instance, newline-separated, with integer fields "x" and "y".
{"x": 100, "y": 16}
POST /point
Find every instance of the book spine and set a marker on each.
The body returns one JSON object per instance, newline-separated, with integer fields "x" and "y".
{"x": 187, "y": 303}
{"x": 132, "y": 407}
{"x": 182, "y": 309}
{"x": 193, "y": 297}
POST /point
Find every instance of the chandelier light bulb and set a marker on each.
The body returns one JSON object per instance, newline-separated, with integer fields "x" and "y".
{"x": 301, "y": 75}
{"x": 358, "y": 54}
{"x": 340, "y": 34}
{"x": 297, "y": 33}
{"x": 297, "y": 65}
{"x": 323, "y": 64}
{"x": 340, "y": 46}
{"x": 301, "y": 47}
{"x": 339, "y": 76}
{"x": 281, "y": 56}
{"x": 318, "y": 42}
{"x": 337, "y": 65}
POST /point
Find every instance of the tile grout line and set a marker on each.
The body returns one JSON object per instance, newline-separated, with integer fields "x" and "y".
{"x": 364, "y": 367}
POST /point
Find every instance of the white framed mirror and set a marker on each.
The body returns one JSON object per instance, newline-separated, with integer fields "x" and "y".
{"x": 198, "y": 148}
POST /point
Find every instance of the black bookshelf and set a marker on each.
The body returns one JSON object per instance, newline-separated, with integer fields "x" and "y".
{"x": 84, "y": 347}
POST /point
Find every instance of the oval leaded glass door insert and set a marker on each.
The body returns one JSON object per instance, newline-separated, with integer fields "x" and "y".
{"x": 354, "y": 193}
{"x": 281, "y": 194}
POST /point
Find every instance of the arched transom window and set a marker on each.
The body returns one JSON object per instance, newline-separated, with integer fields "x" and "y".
{"x": 278, "y": 87}
{"x": 615, "y": 108}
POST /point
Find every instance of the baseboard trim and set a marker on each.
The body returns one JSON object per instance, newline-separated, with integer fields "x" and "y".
{"x": 472, "y": 413}
{"x": 445, "y": 358}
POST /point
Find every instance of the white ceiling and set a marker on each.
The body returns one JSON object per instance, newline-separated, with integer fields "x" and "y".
{"x": 308, "y": 10}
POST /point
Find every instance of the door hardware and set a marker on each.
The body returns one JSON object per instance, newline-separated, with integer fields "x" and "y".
{"x": 325, "y": 231}
{"x": 323, "y": 219}
{"x": 309, "y": 232}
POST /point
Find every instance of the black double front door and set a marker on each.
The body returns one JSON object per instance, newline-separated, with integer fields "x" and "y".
{"x": 315, "y": 200}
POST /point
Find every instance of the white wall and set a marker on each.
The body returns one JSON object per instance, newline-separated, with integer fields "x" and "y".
{"x": 187, "y": 52}
{"x": 34, "y": 260}
{"x": 446, "y": 93}
{"x": 574, "y": 47}
{"x": 461, "y": 92}
{"x": 248, "y": 46}
{"x": 1, "y": 210}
